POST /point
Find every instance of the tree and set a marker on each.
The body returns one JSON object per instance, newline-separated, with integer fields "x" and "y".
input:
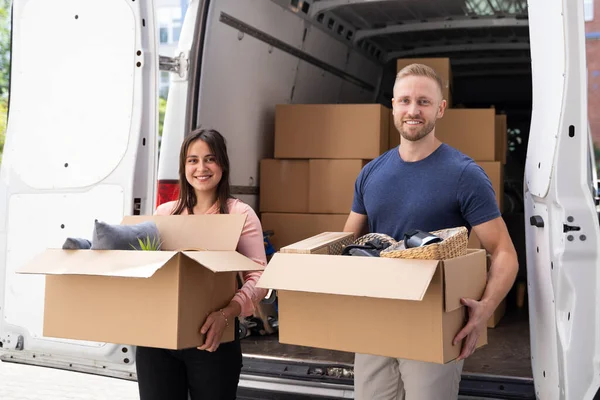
{"x": 4, "y": 67}
{"x": 4, "y": 46}
{"x": 3, "y": 112}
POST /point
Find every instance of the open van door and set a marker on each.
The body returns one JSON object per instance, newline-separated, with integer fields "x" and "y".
{"x": 80, "y": 146}
{"x": 563, "y": 238}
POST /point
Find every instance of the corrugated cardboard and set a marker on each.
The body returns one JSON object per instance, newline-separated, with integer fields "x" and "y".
{"x": 495, "y": 171}
{"x": 331, "y": 243}
{"x": 497, "y": 315}
{"x": 501, "y": 138}
{"x": 145, "y": 298}
{"x": 292, "y": 228}
{"x": 284, "y": 185}
{"x": 356, "y": 298}
{"x": 471, "y": 131}
{"x": 440, "y": 65}
{"x": 353, "y": 131}
{"x": 308, "y": 186}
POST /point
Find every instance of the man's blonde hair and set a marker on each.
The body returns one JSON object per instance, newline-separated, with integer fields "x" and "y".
{"x": 420, "y": 70}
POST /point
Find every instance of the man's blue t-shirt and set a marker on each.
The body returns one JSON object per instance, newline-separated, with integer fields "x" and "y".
{"x": 447, "y": 189}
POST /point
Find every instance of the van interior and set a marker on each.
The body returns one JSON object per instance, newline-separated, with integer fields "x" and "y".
{"x": 487, "y": 42}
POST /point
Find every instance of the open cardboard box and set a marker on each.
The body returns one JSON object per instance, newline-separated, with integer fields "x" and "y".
{"x": 391, "y": 307}
{"x": 145, "y": 298}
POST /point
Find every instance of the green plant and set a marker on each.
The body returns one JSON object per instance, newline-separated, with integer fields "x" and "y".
{"x": 3, "y": 116}
{"x": 149, "y": 244}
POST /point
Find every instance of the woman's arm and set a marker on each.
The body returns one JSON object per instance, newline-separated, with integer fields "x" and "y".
{"x": 252, "y": 245}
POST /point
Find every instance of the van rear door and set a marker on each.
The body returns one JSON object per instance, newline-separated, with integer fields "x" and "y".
{"x": 80, "y": 146}
{"x": 562, "y": 230}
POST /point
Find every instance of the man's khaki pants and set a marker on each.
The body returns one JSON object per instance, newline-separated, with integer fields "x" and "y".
{"x": 384, "y": 378}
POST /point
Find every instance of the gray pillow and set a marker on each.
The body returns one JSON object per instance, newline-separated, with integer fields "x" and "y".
{"x": 124, "y": 237}
{"x": 77, "y": 244}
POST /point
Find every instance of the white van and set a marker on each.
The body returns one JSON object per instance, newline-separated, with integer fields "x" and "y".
{"x": 82, "y": 144}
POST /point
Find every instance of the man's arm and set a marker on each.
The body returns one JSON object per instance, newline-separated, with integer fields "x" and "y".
{"x": 494, "y": 237}
{"x": 357, "y": 224}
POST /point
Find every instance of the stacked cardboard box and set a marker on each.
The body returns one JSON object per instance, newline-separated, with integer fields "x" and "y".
{"x": 320, "y": 149}
{"x": 478, "y": 133}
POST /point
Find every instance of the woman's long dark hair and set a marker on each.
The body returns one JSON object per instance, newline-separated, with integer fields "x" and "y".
{"x": 187, "y": 195}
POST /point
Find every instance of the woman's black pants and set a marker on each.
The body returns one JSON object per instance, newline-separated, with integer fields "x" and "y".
{"x": 170, "y": 374}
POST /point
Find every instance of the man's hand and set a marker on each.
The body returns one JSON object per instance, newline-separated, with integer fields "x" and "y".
{"x": 478, "y": 317}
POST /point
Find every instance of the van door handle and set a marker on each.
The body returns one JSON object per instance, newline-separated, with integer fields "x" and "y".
{"x": 537, "y": 221}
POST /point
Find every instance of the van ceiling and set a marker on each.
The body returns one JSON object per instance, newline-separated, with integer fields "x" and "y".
{"x": 487, "y": 41}
{"x": 473, "y": 33}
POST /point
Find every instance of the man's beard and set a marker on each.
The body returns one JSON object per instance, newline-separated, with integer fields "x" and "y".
{"x": 416, "y": 135}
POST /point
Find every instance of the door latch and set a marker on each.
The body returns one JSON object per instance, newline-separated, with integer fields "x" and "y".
{"x": 537, "y": 221}
{"x": 179, "y": 64}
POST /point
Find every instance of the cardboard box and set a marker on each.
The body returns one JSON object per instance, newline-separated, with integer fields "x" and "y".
{"x": 291, "y": 228}
{"x": 329, "y": 243}
{"x": 440, "y": 65}
{"x": 471, "y": 131}
{"x": 308, "y": 186}
{"x": 423, "y": 296}
{"x": 284, "y": 185}
{"x": 501, "y": 138}
{"x": 145, "y": 298}
{"x": 495, "y": 171}
{"x": 497, "y": 315}
{"x": 334, "y": 131}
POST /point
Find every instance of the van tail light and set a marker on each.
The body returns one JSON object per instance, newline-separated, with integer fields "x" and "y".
{"x": 168, "y": 190}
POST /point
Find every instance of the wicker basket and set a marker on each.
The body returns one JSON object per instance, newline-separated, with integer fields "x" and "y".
{"x": 372, "y": 236}
{"x": 454, "y": 244}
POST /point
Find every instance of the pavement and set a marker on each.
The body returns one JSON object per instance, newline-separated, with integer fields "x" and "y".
{"x": 25, "y": 382}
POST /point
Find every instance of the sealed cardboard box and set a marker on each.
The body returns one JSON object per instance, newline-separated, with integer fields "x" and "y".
{"x": 495, "y": 172}
{"x": 497, "y": 315}
{"x": 284, "y": 185}
{"x": 308, "y": 186}
{"x": 471, "y": 131}
{"x": 334, "y": 131}
{"x": 422, "y": 295}
{"x": 441, "y": 65}
{"x": 290, "y": 228}
{"x": 501, "y": 138}
{"x": 145, "y": 298}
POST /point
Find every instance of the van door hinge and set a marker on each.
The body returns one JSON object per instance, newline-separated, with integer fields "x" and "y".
{"x": 179, "y": 64}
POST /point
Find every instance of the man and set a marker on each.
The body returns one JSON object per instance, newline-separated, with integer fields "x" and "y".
{"x": 425, "y": 184}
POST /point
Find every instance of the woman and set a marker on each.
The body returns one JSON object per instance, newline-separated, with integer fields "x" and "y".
{"x": 212, "y": 371}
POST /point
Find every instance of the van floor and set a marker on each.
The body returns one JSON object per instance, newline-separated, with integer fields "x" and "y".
{"x": 507, "y": 352}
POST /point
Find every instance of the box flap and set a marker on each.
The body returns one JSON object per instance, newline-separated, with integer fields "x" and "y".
{"x": 187, "y": 232}
{"x": 464, "y": 276}
{"x": 376, "y": 277}
{"x": 315, "y": 242}
{"x": 123, "y": 263}
{"x": 224, "y": 261}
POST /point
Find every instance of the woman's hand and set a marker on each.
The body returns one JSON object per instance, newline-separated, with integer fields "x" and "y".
{"x": 215, "y": 325}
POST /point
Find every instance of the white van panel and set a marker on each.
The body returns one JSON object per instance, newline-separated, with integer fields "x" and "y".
{"x": 254, "y": 76}
{"x": 83, "y": 92}
{"x": 34, "y": 228}
{"x": 94, "y": 134}
{"x": 564, "y": 276}
{"x": 548, "y": 70}
{"x": 542, "y": 287}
